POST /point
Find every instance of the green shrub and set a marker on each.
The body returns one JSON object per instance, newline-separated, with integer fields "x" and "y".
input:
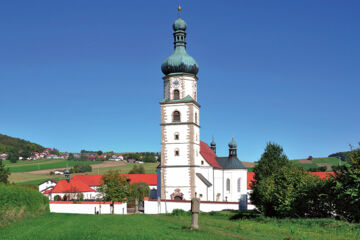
{"x": 18, "y": 202}
{"x": 180, "y": 212}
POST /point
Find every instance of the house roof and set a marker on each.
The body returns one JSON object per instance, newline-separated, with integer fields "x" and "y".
{"x": 150, "y": 179}
{"x": 51, "y": 179}
{"x": 219, "y": 162}
{"x": 230, "y": 163}
{"x": 250, "y": 177}
{"x": 209, "y": 155}
{"x": 72, "y": 186}
{"x": 94, "y": 180}
{"x": 322, "y": 175}
{"x": 47, "y": 191}
{"x": 90, "y": 180}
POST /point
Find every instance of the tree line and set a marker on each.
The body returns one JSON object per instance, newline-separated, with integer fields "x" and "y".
{"x": 281, "y": 189}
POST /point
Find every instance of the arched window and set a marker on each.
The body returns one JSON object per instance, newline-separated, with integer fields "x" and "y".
{"x": 176, "y": 94}
{"x": 176, "y": 136}
{"x": 177, "y": 152}
{"x": 176, "y": 116}
{"x": 239, "y": 184}
{"x": 228, "y": 185}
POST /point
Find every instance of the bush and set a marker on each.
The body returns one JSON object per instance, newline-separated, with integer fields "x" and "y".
{"x": 57, "y": 198}
{"x": 137, "y": 169}
{"x": 180, "y": 212}
{"x": 80, "y": 168}
{"x": 18, "y": 202}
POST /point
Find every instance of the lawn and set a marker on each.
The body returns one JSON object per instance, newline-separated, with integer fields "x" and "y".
{"x": 43, "y": 164}
{"x": 70, "y": 226}
{"x": 150, "y": 168}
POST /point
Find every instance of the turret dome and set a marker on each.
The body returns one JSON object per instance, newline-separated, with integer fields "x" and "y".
{"x": 179, "y": 25}
{"x": 180, "y": 61}
{"x": 233, "y": 144}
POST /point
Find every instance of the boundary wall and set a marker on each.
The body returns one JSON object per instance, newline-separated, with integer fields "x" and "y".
{"x": 87, "y": 207}
{"x": 155, "y": 206}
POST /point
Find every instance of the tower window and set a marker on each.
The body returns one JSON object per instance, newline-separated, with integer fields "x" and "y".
{"x": 202, "y": 162}
{"x": 176, "y": 94}
{"x": 196, "y": 118}
{"x": 176, "y": 136}
{"x": 177, "y": 152}
{"x": 239, "y": 184}
{"x": 228, "y": 185}
{"x": 176, "y": 116}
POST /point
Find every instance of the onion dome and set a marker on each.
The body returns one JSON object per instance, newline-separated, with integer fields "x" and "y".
{"x": 213, "y": 143}
{"x": 233, "y": 144}
{"x": 180, "y": 61}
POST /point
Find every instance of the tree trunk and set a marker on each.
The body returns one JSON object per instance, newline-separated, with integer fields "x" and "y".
{"x": 136, "y": 205}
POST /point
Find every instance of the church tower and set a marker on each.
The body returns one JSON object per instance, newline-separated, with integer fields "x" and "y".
{"x": 180, "y": 124}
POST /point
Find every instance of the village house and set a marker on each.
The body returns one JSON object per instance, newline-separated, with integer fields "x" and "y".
{"x": 87, "y": 186}
{"x": 116, "y": 158}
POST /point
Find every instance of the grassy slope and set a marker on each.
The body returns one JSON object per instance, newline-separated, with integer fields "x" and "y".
{"x": 67, "y": 226}
{"x": 43, "y": 164}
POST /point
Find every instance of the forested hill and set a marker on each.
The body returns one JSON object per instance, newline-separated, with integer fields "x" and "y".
{"x": 10, "y": 144}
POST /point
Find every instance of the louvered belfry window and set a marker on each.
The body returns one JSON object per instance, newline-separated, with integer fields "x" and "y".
{"x": 176, "y": 116}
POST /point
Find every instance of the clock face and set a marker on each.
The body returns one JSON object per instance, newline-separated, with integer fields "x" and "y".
{"x": 176, "y": 83}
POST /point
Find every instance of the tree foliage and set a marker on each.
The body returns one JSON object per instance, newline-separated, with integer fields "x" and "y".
{"x": 290, "y": 192}
{"x": 114, "y": 187}
{"x": 271, "y": 160}
{"x": 9, "y": 144}
{"x": 80, "y": 168}
{"x": 138, "y": 191}
{"x": 137, "y": 169}
{"x": 345, "y": 188}
{"x": 4, "y": 173}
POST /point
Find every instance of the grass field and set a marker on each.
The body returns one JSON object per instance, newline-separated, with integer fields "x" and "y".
{"x": 43, "y": 164}
{"x": 69, "y": 226}
{"x": 149, "y": 168}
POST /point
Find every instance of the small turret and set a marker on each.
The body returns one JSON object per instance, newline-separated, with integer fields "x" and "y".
{"x": 232, "y": 148}
{"x": 213, "y": 145}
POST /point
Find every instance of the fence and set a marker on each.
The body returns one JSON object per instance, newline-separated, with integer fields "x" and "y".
{"x": 87, "y": 207}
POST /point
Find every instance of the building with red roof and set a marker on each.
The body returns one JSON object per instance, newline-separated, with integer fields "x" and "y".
{"x": 88, "y": 185}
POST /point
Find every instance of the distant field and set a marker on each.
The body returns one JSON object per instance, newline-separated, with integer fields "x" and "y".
{"x": 154, "y": 227}
{"x": 43, "y": 164}
{"x": 35, "y": 178}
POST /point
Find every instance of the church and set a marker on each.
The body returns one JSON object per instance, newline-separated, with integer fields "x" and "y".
{"x": 190, "y": 167}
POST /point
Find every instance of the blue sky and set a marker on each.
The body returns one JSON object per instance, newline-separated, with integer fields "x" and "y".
{"x": 86, "y": 74}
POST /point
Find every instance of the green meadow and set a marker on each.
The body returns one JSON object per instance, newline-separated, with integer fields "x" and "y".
{"x": 43, "y": 164}
{"x": 217, "y": 226}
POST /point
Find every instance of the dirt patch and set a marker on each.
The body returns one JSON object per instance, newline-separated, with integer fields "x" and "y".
{"x": 105, "y": 164}
{"x": 305, "y": 161}
{"x": 249, "y": 164}
{"x": 327, "y": 165}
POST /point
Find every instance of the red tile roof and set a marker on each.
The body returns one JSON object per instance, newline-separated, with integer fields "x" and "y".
{"x": 150, "y": 179}
{"x": 209, "y": 155}
{"x": 250, "y": 177}
{"x": 94, "y": 180}
{"x": 47, "y": 191}
{"x": 72, "y": 186}
{"x": 90, "y": 180}
{"x": 322, "y": 175}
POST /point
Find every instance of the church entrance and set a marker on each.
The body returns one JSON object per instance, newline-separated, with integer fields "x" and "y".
{"x": 177, "y": 195}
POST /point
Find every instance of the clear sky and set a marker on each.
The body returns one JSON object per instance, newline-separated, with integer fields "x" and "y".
{"x": 86, "y": 74}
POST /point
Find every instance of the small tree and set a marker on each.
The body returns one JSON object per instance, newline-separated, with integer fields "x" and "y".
{"x": 13, "y": 156}
{"x": 114, "y": 187}
{"x": 138, "y": 191}
{"x": 71, "y": 157}
{"x": 4, "y": 173}
{"x": 270, "y": 162}
{"x": 137, "y": 169}
{"x": 345, "y": 188}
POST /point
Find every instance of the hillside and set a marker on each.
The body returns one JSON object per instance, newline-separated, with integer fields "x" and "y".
{"x": 9, "y": 144}
{"x": 314, "y": 165}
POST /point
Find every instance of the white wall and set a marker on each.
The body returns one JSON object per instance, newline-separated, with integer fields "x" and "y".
{"x": 86, "y": 208}
{"x": 152, "y": 207}
{"x": 46, "y": 184}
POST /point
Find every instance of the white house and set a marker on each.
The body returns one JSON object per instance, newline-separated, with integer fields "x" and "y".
{"x": 47, "y": 185}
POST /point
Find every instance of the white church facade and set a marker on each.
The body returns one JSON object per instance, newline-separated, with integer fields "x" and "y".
{"x": 189, "y": 166}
